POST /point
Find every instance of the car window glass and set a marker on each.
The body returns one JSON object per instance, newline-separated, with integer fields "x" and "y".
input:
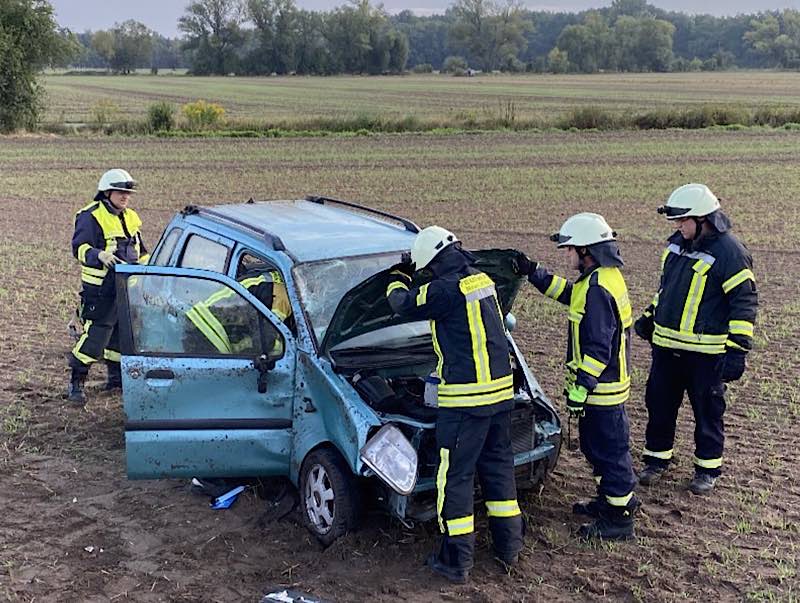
{"x": 197, "y": 317}
{"x": 165, "y": 253}
{"x": 204, "y": 254}
{"x": 264, "y": 281}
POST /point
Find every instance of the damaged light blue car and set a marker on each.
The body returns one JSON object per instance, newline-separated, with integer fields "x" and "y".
{"x": 259, "y": 342}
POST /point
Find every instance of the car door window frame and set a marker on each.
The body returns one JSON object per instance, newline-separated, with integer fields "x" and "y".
{"x": 126, "y": 327}
{"x": 204, "y": 234}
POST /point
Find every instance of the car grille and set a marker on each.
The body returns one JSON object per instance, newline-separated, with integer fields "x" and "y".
{"x": 523, "y": 432}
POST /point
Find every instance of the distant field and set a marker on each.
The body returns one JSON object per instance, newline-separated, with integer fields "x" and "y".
{"x": 530, "y": 97}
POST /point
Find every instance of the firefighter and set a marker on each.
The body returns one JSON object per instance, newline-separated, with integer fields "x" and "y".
{"x": 700, "y": 324}
{"x": 107, "y": 232}
{"x": 265, "y": 284}
{"x": 597, "y": 380}
{"x": 475, "y": 395}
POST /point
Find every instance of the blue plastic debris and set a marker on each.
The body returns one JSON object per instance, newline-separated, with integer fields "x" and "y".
{"x": 226, "y": 500}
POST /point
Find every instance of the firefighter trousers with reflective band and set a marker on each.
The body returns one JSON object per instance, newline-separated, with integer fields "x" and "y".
{"x": 469, "y": 443}
{"x": 672, "y": 373}
{"x": 100, "y": 337}
{"x": 605, "y": 434}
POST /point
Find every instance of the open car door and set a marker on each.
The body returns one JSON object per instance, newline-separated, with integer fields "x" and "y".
{"x": 207, "y": 374}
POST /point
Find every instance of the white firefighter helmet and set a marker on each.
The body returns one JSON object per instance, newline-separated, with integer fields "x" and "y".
{"x": 429, "y": 243}
{"x": 690, "y": 200}
{"x": 116, "y": 180}
{"x": 582, "y": 230}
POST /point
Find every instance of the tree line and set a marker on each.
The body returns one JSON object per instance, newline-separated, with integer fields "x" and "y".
{"x": 257, "y": 37}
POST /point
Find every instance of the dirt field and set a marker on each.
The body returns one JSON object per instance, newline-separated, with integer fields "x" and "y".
{"x": 75, "y": 529}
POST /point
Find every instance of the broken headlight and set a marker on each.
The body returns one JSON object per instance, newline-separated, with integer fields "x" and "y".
{"x": 392, "y": 457}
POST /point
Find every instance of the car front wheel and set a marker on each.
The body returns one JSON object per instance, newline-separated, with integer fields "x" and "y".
{"x": 329, "y": 496}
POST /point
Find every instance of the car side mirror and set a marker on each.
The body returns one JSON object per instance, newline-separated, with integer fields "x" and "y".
{"x": 510, "y": 322}
{"x": 263, "y": 365}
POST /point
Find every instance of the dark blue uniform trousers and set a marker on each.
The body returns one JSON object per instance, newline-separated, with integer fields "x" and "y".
{"x": 672, "y": 373}
{"x": 605, "y": 433}
{"x": 470, "y": 442}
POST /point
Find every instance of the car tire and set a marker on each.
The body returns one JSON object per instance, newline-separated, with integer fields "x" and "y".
{"x": 328, "y": 496}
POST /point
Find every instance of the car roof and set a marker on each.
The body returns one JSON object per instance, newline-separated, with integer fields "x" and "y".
{"x": 318, "y": 230}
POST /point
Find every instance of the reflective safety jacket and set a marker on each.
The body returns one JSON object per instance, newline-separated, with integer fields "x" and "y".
{"x": 707, "y": 299}
{"x": 598, "y": 341}
{"x": 469, "y": 335}
{"x": 270, "y": 290}
{"x": 99, "y": 227}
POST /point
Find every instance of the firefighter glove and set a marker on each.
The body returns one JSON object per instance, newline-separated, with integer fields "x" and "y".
{"x": 401, "y": 272}
{"x": 733, "y": 364}
{"x": 107, "y": 258}
{"x": 644, "y": 327}
{"x": 576, "y": 398}
{"x": 521, "y": 264}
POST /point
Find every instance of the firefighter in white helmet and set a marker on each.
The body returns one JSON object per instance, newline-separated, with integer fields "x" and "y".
{"x": 701, "y": 326}
{"x": 107, "y": 232}
{"x": 475, "y": 397}
{"x": 597, "y": 377}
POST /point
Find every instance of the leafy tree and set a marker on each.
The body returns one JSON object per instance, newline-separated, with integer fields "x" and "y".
{"x": 275, "y": 34}
{"x": 488, "y": 32}
{"x": 213, "y": 29}
{"x": 133, "y": 45}
{"x": 557, "y": 61}
{"x": 103, "y": 45}
{"x": 775, "y": 37}
{"x": 311, "y": 54}
{"x": 29, "y": 41}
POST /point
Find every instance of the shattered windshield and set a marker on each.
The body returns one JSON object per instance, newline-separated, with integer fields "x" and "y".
{"x": 322, "y": 285}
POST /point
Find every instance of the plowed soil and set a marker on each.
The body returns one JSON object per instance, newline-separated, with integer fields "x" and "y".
{"x": 73, "y": 528}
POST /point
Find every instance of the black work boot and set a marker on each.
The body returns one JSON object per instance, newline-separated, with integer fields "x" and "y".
{"x": 589, "y": 508}
{"x": 614, "y": 523}
{"x": 75, "y": 388}
{"x": 453, "y": 574}
{"x": 114, "y": 379}
{"x": 651, "y": 474}
{"x": 703, "y": 483}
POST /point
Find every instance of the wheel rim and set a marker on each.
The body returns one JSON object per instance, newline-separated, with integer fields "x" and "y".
{"x": 320, "y": 499}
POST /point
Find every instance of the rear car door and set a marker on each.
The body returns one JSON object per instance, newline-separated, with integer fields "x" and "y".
{"x": 196, "y": 349}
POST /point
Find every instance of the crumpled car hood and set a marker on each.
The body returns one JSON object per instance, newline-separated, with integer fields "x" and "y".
{"x": 365, "y": 308}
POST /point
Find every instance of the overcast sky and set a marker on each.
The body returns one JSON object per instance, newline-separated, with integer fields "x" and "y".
{"x": 162, "y": 15}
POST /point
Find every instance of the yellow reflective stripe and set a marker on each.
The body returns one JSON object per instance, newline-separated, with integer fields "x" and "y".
{"x": 438, "y": 351}
{"x": 689, "y": 347}
{"x": 82, "y": 252}
{"x": 456, "y": 389}
{"x": 394, "y": 285}
{"x": 732, "y": 344}
{"x": 92, "y": 280}
{"x": 219, "y": 295}
{"x": 556, "y": 288}
{"x": 608, "y": 399}
{"x": 480, "y": 353}
{"x": 708, "y": 463}
{"x": 664, "y": 454}
{"x": 145, "y": 259}
{"x": 476, "y": 400}
{"x": 441, "y": 482}
{"x": 690, "y": 337}
{"x": 737, "y": 279}
{"x": 619, "y": 501}
{"x": 475, "y": 282}
{"x": 76, "y": 350}
{"x": 200, "y": 318}
{"x": 598, "y": 479}
{"x": 112, "y": 355}
{"x": 612, "y": 387}
{"x": 422, "y": 296}
{"x": 98, "y": 272}
{"x": 696, "y": 289}
{"x": 740, "y": 327}
{"x": 664, "y": 256}
{"x": 623, "y": 357}
{"x": 592, "y": 366}
{"x": 502, "y": 508}
{"x": 576, "y": 347}
{"x": 253, "y": 280}
{"x": 461, "y": 526}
